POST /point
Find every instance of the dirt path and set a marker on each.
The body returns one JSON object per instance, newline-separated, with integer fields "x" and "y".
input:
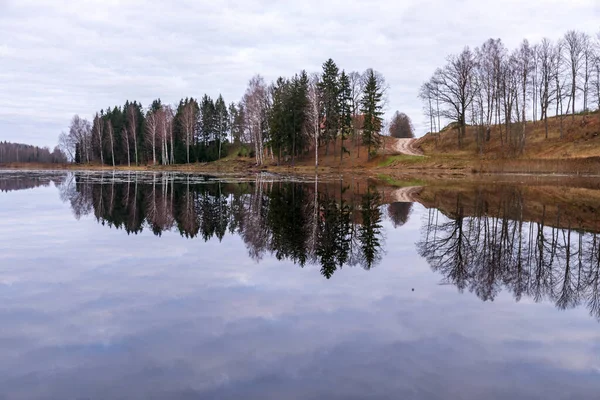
{"x": 406, "y": 146}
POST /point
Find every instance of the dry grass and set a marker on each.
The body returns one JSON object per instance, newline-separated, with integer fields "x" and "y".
{"x": 581, "y": 139}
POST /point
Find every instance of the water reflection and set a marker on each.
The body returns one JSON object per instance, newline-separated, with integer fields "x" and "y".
{"x": 91, "y": 312}
{"x": 489, "y": 241}
{"x": 29, "y": 180}
{"x": 325, "y": 224}
{"x": 530, "y": 241}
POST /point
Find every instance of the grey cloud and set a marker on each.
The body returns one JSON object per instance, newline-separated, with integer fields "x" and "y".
{"x": 59, "y": 58}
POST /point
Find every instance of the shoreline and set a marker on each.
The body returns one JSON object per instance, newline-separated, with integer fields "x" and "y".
{"x": 392, "y": 166}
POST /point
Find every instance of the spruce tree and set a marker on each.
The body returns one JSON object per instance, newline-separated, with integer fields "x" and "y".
{"x": 222, "y": 122}
{"x": 330, "y": 105}
{"x": 371, "y": 107}
{"x": 278, "y": 118}
{"x": 345, "y": 101}
{"x": 299, "y": 108}
{"x": 207, "y": 120}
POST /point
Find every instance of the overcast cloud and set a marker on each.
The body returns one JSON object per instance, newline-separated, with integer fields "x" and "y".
{"x": 59, "y": 57}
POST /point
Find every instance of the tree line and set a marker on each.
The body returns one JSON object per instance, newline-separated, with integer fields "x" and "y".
{"x": 24, "y": 153}
{"x": 492, "y": 87}
{"x": 283, "y": 120}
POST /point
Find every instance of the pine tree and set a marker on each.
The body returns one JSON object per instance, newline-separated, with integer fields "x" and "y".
{"x": 207, "y": 120}
{"x": 77, "y": 153}
{"x": 330, "y": 106}
{"x": 299, "y": 108}
{"x": 278, "y": 118}
{"x": 345, "y": 111}
{"x": 222, "y": 117}
{"x": 371, "y": 107}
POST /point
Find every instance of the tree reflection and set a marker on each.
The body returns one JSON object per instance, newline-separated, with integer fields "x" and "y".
{"x": 13, "y": 181}
{"x": 495, "y": 247}
{"x": 299, "y": 222}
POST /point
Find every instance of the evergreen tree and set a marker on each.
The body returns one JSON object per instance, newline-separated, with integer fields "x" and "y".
{"x": 330, "y": 105}
{"x": 299, "y": 114}
{"x": 207, "y": 120}
{"x": 345, "y": 111}
{"x": 279, "y": 116}
{"x": 371, "y": 107}
{"x": 222, "y": 122}
{"x": 370, "y": 232}
{"x": 77, "y": 153}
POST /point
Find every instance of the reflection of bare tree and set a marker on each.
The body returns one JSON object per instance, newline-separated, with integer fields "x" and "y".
{"x": 256, "y": 235}
{"x": 497, "y": 249}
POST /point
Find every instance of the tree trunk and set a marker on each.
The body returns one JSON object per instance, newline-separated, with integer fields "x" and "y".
{"x": 112, "y": 150}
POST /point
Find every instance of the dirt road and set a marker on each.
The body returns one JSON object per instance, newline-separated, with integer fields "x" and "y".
{"x": 406, "y": 146}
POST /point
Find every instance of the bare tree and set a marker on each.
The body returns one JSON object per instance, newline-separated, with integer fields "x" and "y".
{"x": 489, "y": 61}
{"x": 560, "y": 84}
{"x": 67, "y": 145}
{"x": 455, "y": 89}
{"x": 313, "y": 121}
{"x": 152, "y": 126}
{"x": 356, "y": 88}
{"x": 111, "y": 134}
{"x": 525, "y": 69}
{"x": 588, "y": 61}
{"x": 125, "y": 137}
{"x": 170, "y": 125}
{"x": 596, "y": 69}
{"x": 255, "y": 104}
{"x": 98, "y": 132}
{"x": 573, "y": 45}
{"x": 80, "y": 131}
{"x": 548, "y": 58}
{"x": 426, "y": 94}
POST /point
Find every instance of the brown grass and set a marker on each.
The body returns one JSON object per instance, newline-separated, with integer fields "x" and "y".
{"x": 581, "y": 139}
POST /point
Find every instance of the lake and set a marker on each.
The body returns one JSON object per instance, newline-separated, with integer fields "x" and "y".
{"x": 175, "y": 286}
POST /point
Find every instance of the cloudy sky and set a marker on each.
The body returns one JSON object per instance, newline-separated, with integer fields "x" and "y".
{"x": 59, "y": 57}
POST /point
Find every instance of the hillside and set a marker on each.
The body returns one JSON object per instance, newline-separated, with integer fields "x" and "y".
{"x": 581, "y": 139}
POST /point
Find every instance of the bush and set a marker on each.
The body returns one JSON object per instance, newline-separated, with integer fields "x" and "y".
{"x": 243, "y": 152}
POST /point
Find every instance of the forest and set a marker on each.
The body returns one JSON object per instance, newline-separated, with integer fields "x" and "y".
{"x": 500, "y": 91}
{"x": 281, "y": 121}
{"x": 24, "y": 153}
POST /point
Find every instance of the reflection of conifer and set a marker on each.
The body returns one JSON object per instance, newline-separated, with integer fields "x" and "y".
{"x": 369, "y": 233}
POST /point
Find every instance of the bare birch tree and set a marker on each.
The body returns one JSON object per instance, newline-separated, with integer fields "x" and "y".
{"x": 313, "y": 120}
{"x": 98, "y": 132}
{"x": 152, "y": 126}
{"x": 111, "y": 137}
{"x": 255, "y": 101}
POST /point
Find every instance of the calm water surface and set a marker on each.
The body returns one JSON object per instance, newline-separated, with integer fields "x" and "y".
{"x": 141, "y": 286}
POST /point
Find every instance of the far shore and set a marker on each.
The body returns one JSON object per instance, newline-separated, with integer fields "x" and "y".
{"x": 394, "y": 166}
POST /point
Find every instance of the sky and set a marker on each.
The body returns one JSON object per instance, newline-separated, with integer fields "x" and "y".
{"x": 59, "y": 58}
